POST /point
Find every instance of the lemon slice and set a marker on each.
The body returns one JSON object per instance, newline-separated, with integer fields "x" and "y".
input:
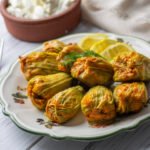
{"x": 100, "y": 46}
{"x": 114, "y": 50}
{"x": 86, "y": 42}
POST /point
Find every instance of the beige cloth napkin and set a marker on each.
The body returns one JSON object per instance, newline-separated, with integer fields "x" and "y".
{"x": 131, "y": 17}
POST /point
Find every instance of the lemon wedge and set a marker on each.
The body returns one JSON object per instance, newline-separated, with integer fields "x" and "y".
{"x": 100, "y": 46}
{"x": 87, "y": 42}
{"x": 117, "y": 49}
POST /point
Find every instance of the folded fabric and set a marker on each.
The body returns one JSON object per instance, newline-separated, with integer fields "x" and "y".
{"x": 131, "y": 17}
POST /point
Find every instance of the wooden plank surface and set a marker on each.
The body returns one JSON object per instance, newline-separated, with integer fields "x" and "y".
{"x": 13, "y": 138}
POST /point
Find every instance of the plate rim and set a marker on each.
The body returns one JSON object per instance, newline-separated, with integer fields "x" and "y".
{"x": 11, "y": 115}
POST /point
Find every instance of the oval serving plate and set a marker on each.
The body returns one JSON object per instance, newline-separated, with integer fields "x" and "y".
{"x": 28, "y": 118}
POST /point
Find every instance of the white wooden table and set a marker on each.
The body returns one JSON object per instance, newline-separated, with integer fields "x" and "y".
{"x": 13, "y": 138}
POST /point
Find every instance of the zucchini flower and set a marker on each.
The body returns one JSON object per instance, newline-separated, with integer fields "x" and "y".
{"x": 42, "y": 88}
{"x": 38, "y": 63}
{"x": 98, "y": 106}
{"x": 53, "y": 46}
{"x": 131, "y": 67}
{"x": 130, "y": 97}
{"x": 92, "y": 71}
{"x": 67, "y": 57}
{"x": 64, "y": 105}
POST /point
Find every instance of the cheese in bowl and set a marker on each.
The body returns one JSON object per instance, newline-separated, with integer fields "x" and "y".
{"x": 40, "y": 20}
{"x": 37, "y": 9}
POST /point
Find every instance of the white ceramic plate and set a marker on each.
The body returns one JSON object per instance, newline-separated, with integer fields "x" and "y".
{"x": 25, "y": 115}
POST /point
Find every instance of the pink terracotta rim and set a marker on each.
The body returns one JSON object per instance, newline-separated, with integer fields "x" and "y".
{"x": 4, "y": 3}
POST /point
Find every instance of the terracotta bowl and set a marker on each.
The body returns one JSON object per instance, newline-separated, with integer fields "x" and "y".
{"x": 42, "y": 29}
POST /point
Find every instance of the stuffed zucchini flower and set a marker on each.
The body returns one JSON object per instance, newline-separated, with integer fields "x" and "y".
{"x": 131, "y": 67}
{"x": 65, "y": 104}
{"x": 98, "y": 106}
{"x": 67, "y": 57}
{"x": 38, "y": 63}
{"x": 130, "y": 97}
{"x": 92, "y": 71}
{"x": 42, "y": 88}
{"x": 53, "y": 46}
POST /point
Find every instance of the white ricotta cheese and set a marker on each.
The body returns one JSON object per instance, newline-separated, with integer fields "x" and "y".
{"x": 37, "y": 9}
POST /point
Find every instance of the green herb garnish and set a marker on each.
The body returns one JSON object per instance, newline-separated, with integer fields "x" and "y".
{"x": 89, "y": 53}
{"x": 70, "y": 58}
